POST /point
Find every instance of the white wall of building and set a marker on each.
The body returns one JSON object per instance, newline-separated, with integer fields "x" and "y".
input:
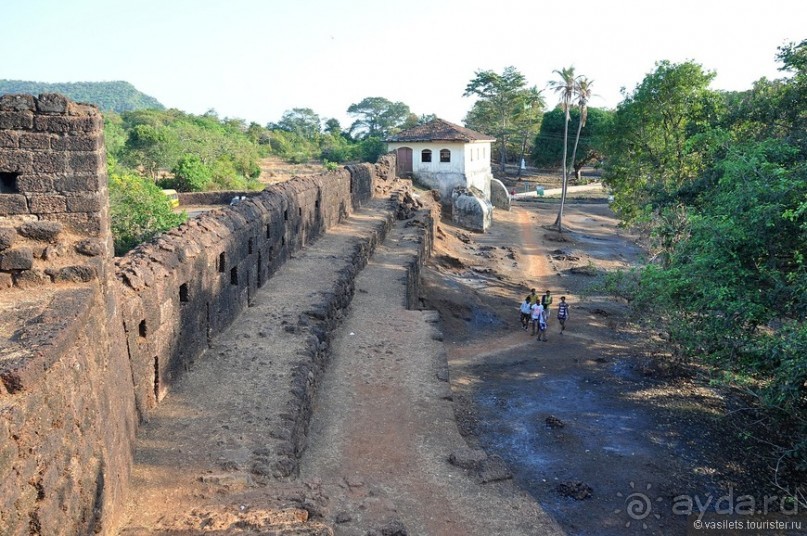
{"x": 469, "y": 165}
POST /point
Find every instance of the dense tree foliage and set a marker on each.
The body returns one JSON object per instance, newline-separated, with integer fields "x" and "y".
{"x": 377, "y": 117}
{"x": 299, "y": 137}
{"x": 548, "y": 145}
{"x": 507, "y": 109}
{"x": 108, "y": 96}
{"x": 661, "y": 137}
{"x": 720, "y": 183}
{"x": 158, "y": 141}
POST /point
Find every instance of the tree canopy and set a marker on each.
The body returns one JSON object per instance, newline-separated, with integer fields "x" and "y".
{"x": 158, "y": 141}
{"x": 377, "y": 117}
{"x": 719, "y": 182}
{"x": 548, "y": 144}
{"x": 506, "y": 108}
{"x": 660, "y": 139}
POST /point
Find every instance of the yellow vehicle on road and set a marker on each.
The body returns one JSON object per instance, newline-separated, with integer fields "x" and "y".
{"x": 173, "y": 197}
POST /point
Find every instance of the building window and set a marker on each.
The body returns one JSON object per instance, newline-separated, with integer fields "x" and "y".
{"x": 445, "y": 155}
{"x": 426, "y": 155}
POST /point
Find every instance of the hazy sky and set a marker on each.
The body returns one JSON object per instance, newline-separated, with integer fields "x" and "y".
{"x": 254, "y": 59}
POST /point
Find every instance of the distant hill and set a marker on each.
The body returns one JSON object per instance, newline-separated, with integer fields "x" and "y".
{"x": 108, "y": 96}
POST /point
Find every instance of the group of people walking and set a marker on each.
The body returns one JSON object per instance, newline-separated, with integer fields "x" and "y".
{"x": 535, "y": 312}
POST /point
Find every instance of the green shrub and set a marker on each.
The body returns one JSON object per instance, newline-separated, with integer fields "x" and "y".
{"x": 138, "y": 211}
{"x": 191, "y": 174}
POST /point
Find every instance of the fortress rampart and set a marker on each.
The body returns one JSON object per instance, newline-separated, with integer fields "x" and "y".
{"x": 91, "y": 343}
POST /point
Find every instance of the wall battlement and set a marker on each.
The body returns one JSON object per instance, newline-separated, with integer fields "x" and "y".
{"x": 91, "y": 342}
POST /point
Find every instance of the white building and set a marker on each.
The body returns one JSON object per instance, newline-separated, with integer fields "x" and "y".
{"x": 443, "y": 156}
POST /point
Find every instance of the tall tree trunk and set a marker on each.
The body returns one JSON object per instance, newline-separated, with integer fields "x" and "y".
{"x": 576, "y": 141}
{"x": 559, "y": 220}
{"x": 503, "y": 156}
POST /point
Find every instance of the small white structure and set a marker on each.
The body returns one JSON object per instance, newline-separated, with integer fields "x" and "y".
{"x": 444, "y": 156}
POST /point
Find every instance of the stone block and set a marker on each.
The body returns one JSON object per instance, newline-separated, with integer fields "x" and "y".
{"x": 6, "y": 281}
{"x": 85, "y": 162}
{"x": 17, "y": 103}
{"x": 77, "y": 142}
{"x": 9, "y": 140}
{"x": 35, "y": 183}
{"x": 72, "y": 274}
{"x": 30, "y": 279}
{"x": 47, "y": 203}
{"x": 90, "y": 202}
{"x": 79, "y": 222}
{"x": 90, "y": 248}
{"x": 43, "y": 231}
{"x": 51, "y": 103}
{"x": 77, "y": 183}
{"x": 34, "y": 140}
{"x": 13, "y": 204}
{"x": 16, "y": 120}
{"x": 15, "y": 161}
{"x": 7, "y": 237}
{"x": 48, "y": 163}
{"x": 17, "y": 259}
{"x": 64, "y": 124}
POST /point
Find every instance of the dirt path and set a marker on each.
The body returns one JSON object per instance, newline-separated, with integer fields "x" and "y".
{"x": 217, "y": 452}
{"x": 384, "y": 427}
{"x": 589, "y": 413}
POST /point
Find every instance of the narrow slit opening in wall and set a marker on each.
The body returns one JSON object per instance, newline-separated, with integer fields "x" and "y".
{"x": 351, "y": 185}
{"x": 283, "y": 241}
{"x": 268, "y": 231}
{"x": 300, "y": 212}
{"x": 222, "y": 262}
{"x": 250, "y": 245}
{"x": 316, "y": 203}
{"x": 183, "y": 293}
{"x": 234, "y": 276}
{"x": 286, "y": 215}
{"x": 8, "y": 183}
{"x": 142, "y": 328}
{"x": 156, "y": 378}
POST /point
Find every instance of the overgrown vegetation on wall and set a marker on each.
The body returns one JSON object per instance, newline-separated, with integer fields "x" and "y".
{"x": 719, "y": 183}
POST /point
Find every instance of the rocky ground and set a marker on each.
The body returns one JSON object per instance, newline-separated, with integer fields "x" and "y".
{"x": 598, "y": 424}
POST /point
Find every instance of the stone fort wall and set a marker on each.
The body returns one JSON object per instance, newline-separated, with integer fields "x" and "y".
{"x": 91, "y": 343}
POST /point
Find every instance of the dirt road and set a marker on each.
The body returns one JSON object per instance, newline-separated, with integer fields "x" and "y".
{"x": 590, "y": 422}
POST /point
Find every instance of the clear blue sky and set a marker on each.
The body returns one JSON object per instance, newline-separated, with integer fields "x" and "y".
{"x": 254, "y": 59}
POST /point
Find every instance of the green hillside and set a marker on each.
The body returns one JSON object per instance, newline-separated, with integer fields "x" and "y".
{"x": 108, "y": 96}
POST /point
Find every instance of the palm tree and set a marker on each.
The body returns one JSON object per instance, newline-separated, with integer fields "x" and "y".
{"x": 566, "y": 87}
{"x": 583, "y": 96}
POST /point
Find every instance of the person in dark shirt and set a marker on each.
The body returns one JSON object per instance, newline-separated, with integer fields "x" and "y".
{"x": 563, "y": 313}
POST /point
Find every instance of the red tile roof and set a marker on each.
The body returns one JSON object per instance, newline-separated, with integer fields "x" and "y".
{"x": 441, "y": 130}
